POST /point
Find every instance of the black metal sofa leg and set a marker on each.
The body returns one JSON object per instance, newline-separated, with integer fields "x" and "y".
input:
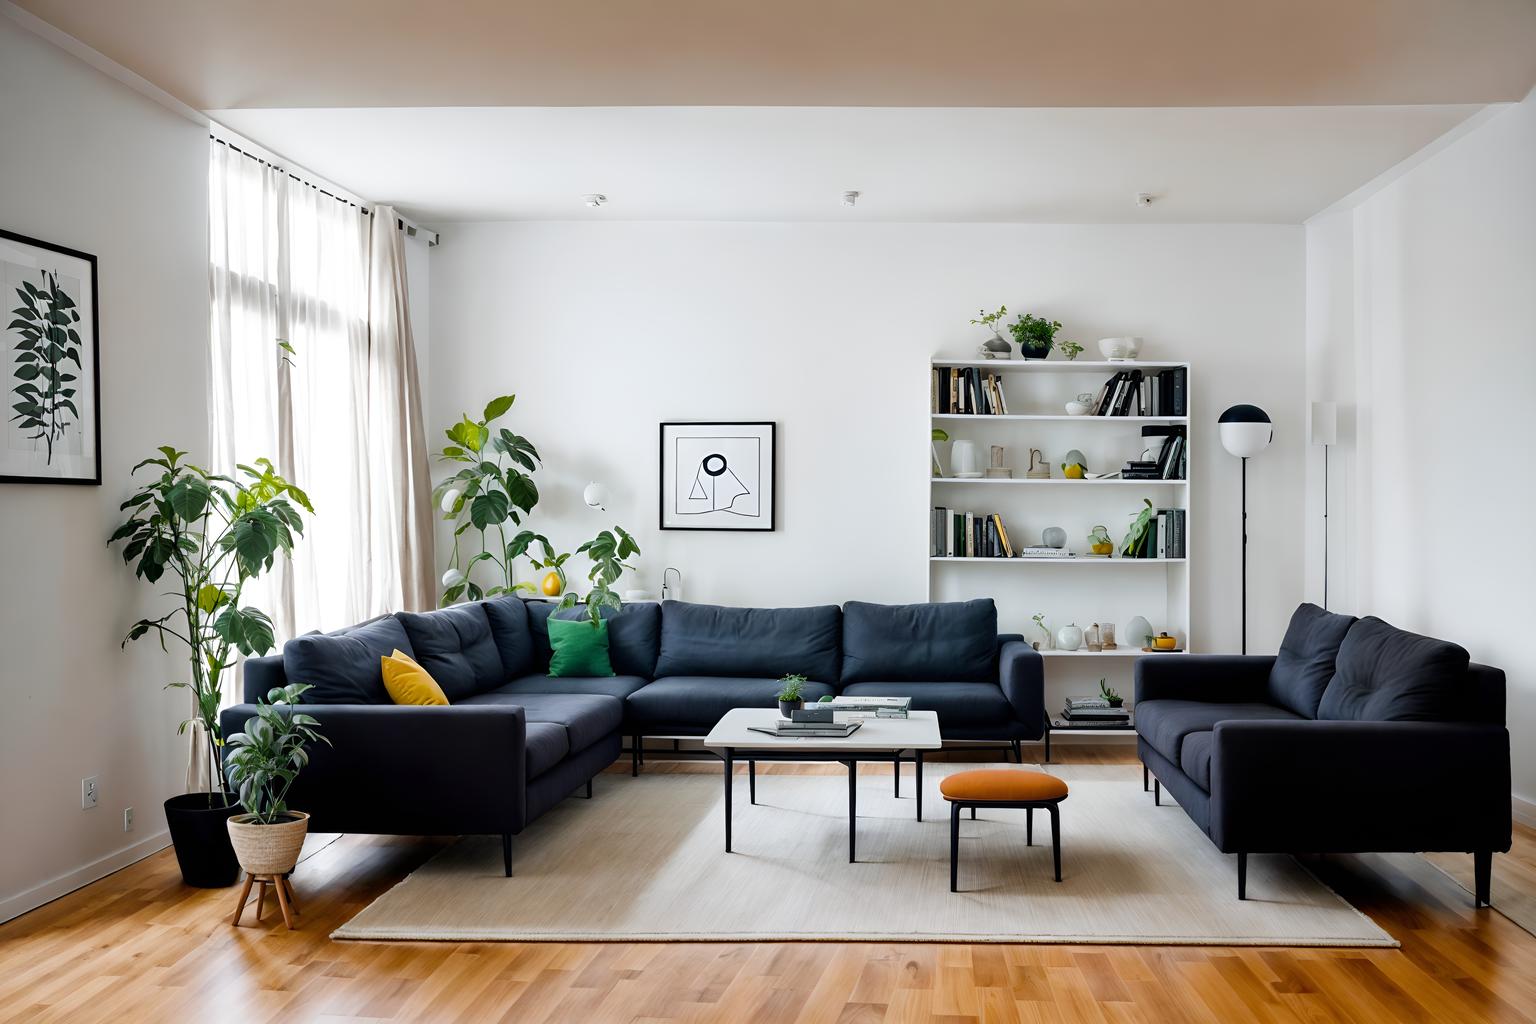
{"x": 634, "y": 756}
{"x": 1482, "y": 871}
{"x": 506, "y": 852}
{"x": 1242, "y": 876}
{"x": 1157, "y": 792}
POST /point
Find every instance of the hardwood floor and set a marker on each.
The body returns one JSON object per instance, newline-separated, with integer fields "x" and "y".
{"x": 139, "y": 946}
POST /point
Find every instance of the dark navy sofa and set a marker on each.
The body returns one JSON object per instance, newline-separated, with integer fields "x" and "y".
{"x": 514, "y": 741}
{"x": 1357, "y": 737}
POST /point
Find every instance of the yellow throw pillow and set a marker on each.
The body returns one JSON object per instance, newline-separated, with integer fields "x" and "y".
{"x": 409, "y": 683}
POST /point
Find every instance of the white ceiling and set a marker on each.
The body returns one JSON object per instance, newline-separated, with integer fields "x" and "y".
{"x": 900, "y": 53}
{"x": 1255, "y": 164}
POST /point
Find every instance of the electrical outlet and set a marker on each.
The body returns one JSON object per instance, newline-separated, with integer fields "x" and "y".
{"x": 127, "y": 819}
{"x": 88, "y": 793}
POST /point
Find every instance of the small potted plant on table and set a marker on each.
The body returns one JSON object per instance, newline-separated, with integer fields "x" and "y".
{"x": 1110, "y": 696}
{"x": 263, "y": 762}
{"x": 791, "y": 694}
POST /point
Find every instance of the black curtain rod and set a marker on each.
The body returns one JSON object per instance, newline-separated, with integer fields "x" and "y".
{"x": 295, "y": 177}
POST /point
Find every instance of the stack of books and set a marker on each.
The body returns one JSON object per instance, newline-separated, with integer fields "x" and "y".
{"x": 1171, "y": 459}
{"x": 1139, "y": 393}
{"x": 1041, "y": 551}
{"x": 785, "y": 727}
{"x": 1166, "y": 538}
{"x": 851, "y": 709}
{"x": 1094, "y": 709}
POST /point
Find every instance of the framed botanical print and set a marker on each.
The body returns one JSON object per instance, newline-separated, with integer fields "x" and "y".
{"x": 718, "y": 476}
{"x": 50, "y": 364}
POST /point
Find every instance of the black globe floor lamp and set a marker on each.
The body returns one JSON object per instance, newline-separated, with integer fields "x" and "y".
{"x": 1245, "y": 431}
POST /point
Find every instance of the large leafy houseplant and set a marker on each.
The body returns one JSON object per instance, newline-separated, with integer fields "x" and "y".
{"x": 491, "y": 489}
{"x": 209, "y": 535}
{"x": 46, "y": 321}
{"x": 607, "y": 551}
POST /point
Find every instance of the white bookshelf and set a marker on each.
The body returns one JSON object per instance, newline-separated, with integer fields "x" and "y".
{"x": 1115, "y": 589}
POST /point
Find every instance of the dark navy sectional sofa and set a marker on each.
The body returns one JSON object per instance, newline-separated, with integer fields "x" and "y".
{"x": 526, "y": 740}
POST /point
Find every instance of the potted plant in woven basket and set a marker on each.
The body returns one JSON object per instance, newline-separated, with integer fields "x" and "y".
{"x": 264, "y": 760}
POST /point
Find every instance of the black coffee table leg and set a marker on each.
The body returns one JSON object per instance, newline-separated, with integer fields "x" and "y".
{"x": 918, "y": 761}
{"x": 752, "y": 781}
{"x": 730, "y": 769}
{"x": 853, "y": 806}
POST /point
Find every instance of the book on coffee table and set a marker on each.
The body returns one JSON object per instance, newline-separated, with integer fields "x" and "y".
{"x": 784, "y": 727}
{"x": 853, "y": 708}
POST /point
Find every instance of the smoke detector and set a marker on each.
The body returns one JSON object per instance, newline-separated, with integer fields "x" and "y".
{"x": 594, "y": 199}
{"x": 849, "y": 198}
{"x": 1144, "y": 198}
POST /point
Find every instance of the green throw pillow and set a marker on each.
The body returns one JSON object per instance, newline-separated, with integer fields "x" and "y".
{"x": 578, "y": 649}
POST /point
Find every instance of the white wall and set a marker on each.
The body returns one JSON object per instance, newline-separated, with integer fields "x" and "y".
{"x": 604, "y": 330}
{"x": 1422, "y": 325}
{"x": 94, "y": 166}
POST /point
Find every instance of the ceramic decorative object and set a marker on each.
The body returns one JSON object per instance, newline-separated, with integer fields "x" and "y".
{"x": 1053, "y": 537}
{"x": 553, "y": 583}
{"x": 1069, "y": 637}
{"x": 1138, "y": 632}
{"x": 1120, "y": 348}
{"x": 1164, "y": 642}
{"x": 963, "y": 461}
{"x": 1039, "y": 469}
{"x": 1074, "y": 465}
{"x": 1100, "y": 542}
{"x": 996, "y": 347}
{"x": 995, "y": 468}
{"x": 1091, "y": 638}
{"x": 1081, "y": 405}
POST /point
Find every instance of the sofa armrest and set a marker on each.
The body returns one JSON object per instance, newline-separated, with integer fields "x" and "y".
{"x": 1209, "y": 677}
{"x": 406, "y": 770}
{"x": 1021, "y": 674}
{"x": 1342, "y": 787}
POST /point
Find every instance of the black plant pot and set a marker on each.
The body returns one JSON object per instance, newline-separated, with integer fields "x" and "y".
{"x": 200, "y": 833}
{"x": 1034, "y": 349}
{"x": 786, "y": 706}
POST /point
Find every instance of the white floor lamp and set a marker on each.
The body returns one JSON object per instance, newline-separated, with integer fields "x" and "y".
{"x": 1323, "y": 429}
{"x": 1245, "y": 431}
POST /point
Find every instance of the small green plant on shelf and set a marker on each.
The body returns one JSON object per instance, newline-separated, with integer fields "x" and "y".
{"x": 1034, "y": 335}
{"x": 1135, "y": 543}
{"x": 791, "y": 687}
{"x": 1070, "y": 349}
{"x": 1108, "y": 693}
{"x": 990, "y": 321}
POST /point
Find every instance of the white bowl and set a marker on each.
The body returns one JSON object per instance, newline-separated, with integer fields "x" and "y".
{"x": 1120, "y": 348}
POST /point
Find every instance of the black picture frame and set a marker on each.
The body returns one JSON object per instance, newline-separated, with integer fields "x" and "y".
{"x": 765, "y": 521}
{"x": 92, "y": 364}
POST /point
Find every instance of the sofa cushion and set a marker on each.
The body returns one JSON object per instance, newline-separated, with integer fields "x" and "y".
{"x": 696, "y": 703}
{"x": 508, "y": 617}
{"x": 955, "y": 640}
{"x": 343, "y": 667}
{"x": 585, "y": 717}
{"x": 1301, "y": 671}
{"x": 634, "y": 633}
{"x": 1386, "y": 674}
{"x": 454, "y": 644}
{"x": 408, "y": 683}
{"x": 578, "y": 648}
{"x": 611, "y": 686}
{"x": 761, "y": 643}
{"x": 1165, "y": 723}
{"x": 957, "y": 704}
{"x": 546, "y": 746}
{"x": 1195, "y": 757}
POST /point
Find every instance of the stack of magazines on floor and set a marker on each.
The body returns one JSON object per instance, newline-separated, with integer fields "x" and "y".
{"x": 1094, "y": 710}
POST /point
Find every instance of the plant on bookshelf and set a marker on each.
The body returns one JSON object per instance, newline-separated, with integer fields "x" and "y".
{"x": 1070, "y": 349}
{"x": 1034, "y": 334}
{"x": 995, "y": 347}
{"x": 1108, "y": 693}
{"x": 1135, "y": 543}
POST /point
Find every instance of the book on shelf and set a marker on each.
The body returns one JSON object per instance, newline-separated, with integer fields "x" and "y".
{"x": 1143, "y": 393}
{"x": 1042, "y": 551}
{"x": 1087, "y": 702}
{"x": 1096, "y": 714}
{"x": 953, "y": 534}
{"x": 967, "y": 391}
{"x": 1165, "y": 536}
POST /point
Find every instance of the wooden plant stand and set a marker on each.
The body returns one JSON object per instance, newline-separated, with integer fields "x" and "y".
{"x": 280, "y": 884}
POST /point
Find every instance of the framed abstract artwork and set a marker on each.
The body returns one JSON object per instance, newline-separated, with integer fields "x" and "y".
{"x": 718, "y": 476}
{"x": 50, "y": 364}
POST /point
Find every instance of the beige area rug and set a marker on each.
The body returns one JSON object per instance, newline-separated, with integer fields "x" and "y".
{"x": 645, "y": 861}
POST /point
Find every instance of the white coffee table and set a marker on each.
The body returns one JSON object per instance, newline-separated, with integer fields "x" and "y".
{"x": 880, "y": 739}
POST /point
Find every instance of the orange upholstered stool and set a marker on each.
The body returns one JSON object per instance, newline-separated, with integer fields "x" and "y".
{"x": 1003, "y": 787}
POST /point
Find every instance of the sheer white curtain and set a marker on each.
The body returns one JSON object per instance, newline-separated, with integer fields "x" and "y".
{"x": 288, "y": 263}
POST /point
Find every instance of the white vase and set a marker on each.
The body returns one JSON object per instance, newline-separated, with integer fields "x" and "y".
{"x": 1069, "y": 638}
{"x": 964, "y": 462}
{"x": 1137, "y": 631}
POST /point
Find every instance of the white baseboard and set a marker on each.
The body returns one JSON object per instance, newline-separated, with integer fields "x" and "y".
{"x": 47, "y": 892}
{"x": 1524, "y": 811}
